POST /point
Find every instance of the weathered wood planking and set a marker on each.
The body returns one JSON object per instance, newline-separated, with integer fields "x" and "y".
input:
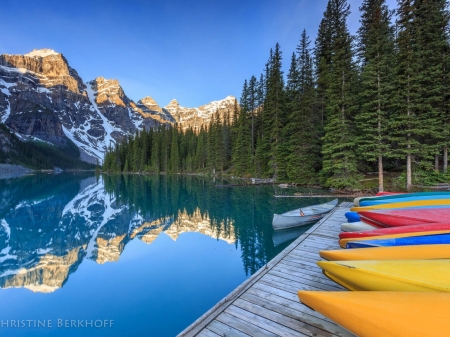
{"x": 267, "y": 304}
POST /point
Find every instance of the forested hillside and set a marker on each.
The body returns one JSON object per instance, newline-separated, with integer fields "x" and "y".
{"x": 38, "y": 155}
{"x": 349, "y": 105}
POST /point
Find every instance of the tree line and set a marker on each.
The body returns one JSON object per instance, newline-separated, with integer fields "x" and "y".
{"x": 376, "y": 101}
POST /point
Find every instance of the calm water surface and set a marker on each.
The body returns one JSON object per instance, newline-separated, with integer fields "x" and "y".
{"x": 150, "y": 253}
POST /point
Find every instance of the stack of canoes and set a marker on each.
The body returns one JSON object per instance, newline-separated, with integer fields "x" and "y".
{"x": 396, "y": 264}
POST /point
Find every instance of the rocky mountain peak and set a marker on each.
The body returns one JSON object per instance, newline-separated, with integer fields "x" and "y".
{"x": 103, "y": 81}
{"x": 173, "y": 103}
{"x": 148, "y": 100}
{"x": 150, "y": 103}
{"x": 44, "y": 52}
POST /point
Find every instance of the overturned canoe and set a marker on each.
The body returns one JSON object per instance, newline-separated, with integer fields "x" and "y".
{"x": 387, "y": 314}
{"x": 302, "y": 216}
{"x": 390, "y": 275}
{"x": 422, "y": 252}
{"x": 394, "y": 230}
{"x": 436, "y": 239}
{"x": 432, "y": 203}
{"x": 352, "y": 217}
{"x": 421, "y": 236}
{"x": 357, "y": 227}
{"x": 366, "y": 201}
{"x": 406, "y": 217}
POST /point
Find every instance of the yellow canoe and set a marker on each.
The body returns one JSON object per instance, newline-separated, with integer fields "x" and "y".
{"x": 343, "y": 242}
{"x": 386, "y": 314}
{"x": 390, "y": 275}
{"x": 405, "y": 204}
{"x": 422, "y": 252}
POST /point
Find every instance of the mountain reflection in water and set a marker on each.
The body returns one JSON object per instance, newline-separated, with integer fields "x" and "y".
{"x": 50, "y": 224}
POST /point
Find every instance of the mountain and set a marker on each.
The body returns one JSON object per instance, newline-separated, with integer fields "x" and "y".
{"x": 197, "y": 117}
{"x": 43, "y": 99}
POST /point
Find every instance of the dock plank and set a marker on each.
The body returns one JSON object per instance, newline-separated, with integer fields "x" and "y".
{"x": 244, "y": 326}
{"x": 267, "y": 304}
{"x": 224, "y": 330}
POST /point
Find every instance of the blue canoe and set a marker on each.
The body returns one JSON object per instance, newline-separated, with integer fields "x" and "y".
{"x": 435, "y": 239}
{"x": 352, "y": 217}
{"x": 374, "y": 202}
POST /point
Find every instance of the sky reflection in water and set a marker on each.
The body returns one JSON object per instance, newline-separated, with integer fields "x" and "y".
{"x": 179, "y": 245}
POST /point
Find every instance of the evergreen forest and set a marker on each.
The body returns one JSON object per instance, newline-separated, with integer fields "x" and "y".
{"x": 350, "y": 104}
{"x": 39, "y": 155}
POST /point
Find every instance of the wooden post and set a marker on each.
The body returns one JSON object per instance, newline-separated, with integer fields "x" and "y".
{"x": 380, "y": 174}
{"x": 445, "y": 164}
{"x": 408, "y": 171}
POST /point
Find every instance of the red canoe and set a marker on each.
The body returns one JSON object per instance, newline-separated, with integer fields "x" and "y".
{"x": 380, "y": 194}
{"x": 406, "y": 217}
{"x": 397, "y": 230}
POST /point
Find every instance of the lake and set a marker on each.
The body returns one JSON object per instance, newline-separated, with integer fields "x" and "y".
{"x": 128, "y": 255}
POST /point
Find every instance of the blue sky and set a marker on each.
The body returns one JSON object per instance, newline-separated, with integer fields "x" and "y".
{"x": 195, "y": 51}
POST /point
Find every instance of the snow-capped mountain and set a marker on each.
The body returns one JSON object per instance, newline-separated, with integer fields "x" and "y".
{"x": 42, "y": 97}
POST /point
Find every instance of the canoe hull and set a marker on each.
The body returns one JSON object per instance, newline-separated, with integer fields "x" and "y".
{"x": 302, "y": 216}
{"x": 423, "y": 252}
{"x": 390, "y": 275}
{"x": 438, "y": 239}
{"x": 351, "y": 311}
{"x": 365, "y": 201}
{"x": 395, "y": 230}
{"x": 357, "y": 226}
{"x": 285, "y": 222}
{"x": 434, "y": 203}
{"x": 406, "y": 217}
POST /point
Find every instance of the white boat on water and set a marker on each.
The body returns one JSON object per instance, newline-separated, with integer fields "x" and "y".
{"x": 302, "y": 216}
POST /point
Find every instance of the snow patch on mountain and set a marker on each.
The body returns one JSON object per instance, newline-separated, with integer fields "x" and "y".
{"x": 42, "y": 52}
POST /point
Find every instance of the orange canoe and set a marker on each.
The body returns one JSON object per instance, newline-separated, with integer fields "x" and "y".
{"x": 384, "y": 314}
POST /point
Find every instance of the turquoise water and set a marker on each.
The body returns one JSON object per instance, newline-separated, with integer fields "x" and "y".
{"x": 128, "y": 255}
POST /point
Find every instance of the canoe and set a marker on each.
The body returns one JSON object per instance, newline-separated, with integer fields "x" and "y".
{"x": 386, "y": 314}
{"x": 405, "y": 196}
{"x": 406, "y": 217}
{"x": 395, "y": 230}
{"x": 407, "y": 204}
{"x": 302, "y": 216}
{"x": 357, "y": 227}
{"x": 343, "y": 242}
{"x": 423, "y": 252}
{"x": 352, "y": 217}
{"x": 379, "y": 194}
{"x": 437, "y": 239}
{"x": 405, "y": 199}
{"x": 390, "y": 275}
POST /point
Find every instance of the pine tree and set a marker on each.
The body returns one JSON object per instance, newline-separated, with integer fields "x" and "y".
{"x": 339, "y": 161}
{"x": 323, "y": 53}
{"x": 406, "y": 125}
{"x": 155, "y": 160}
{"x": 174, "y": 166}
{"x": 126, "y": 167}
{"x": 305, "y": 126}
{"x": 376, "y": 54}
{"x": 211, "y": 147}
{"x": 136, "y": 161}
{"x": 275, "y": 116}
{"x": 242, "y": 151}
{"x": 252, "y": 101}
{"x": 431, "y": 24}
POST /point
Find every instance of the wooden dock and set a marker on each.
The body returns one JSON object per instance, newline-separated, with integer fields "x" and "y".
{"x": 266, "y": 304}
